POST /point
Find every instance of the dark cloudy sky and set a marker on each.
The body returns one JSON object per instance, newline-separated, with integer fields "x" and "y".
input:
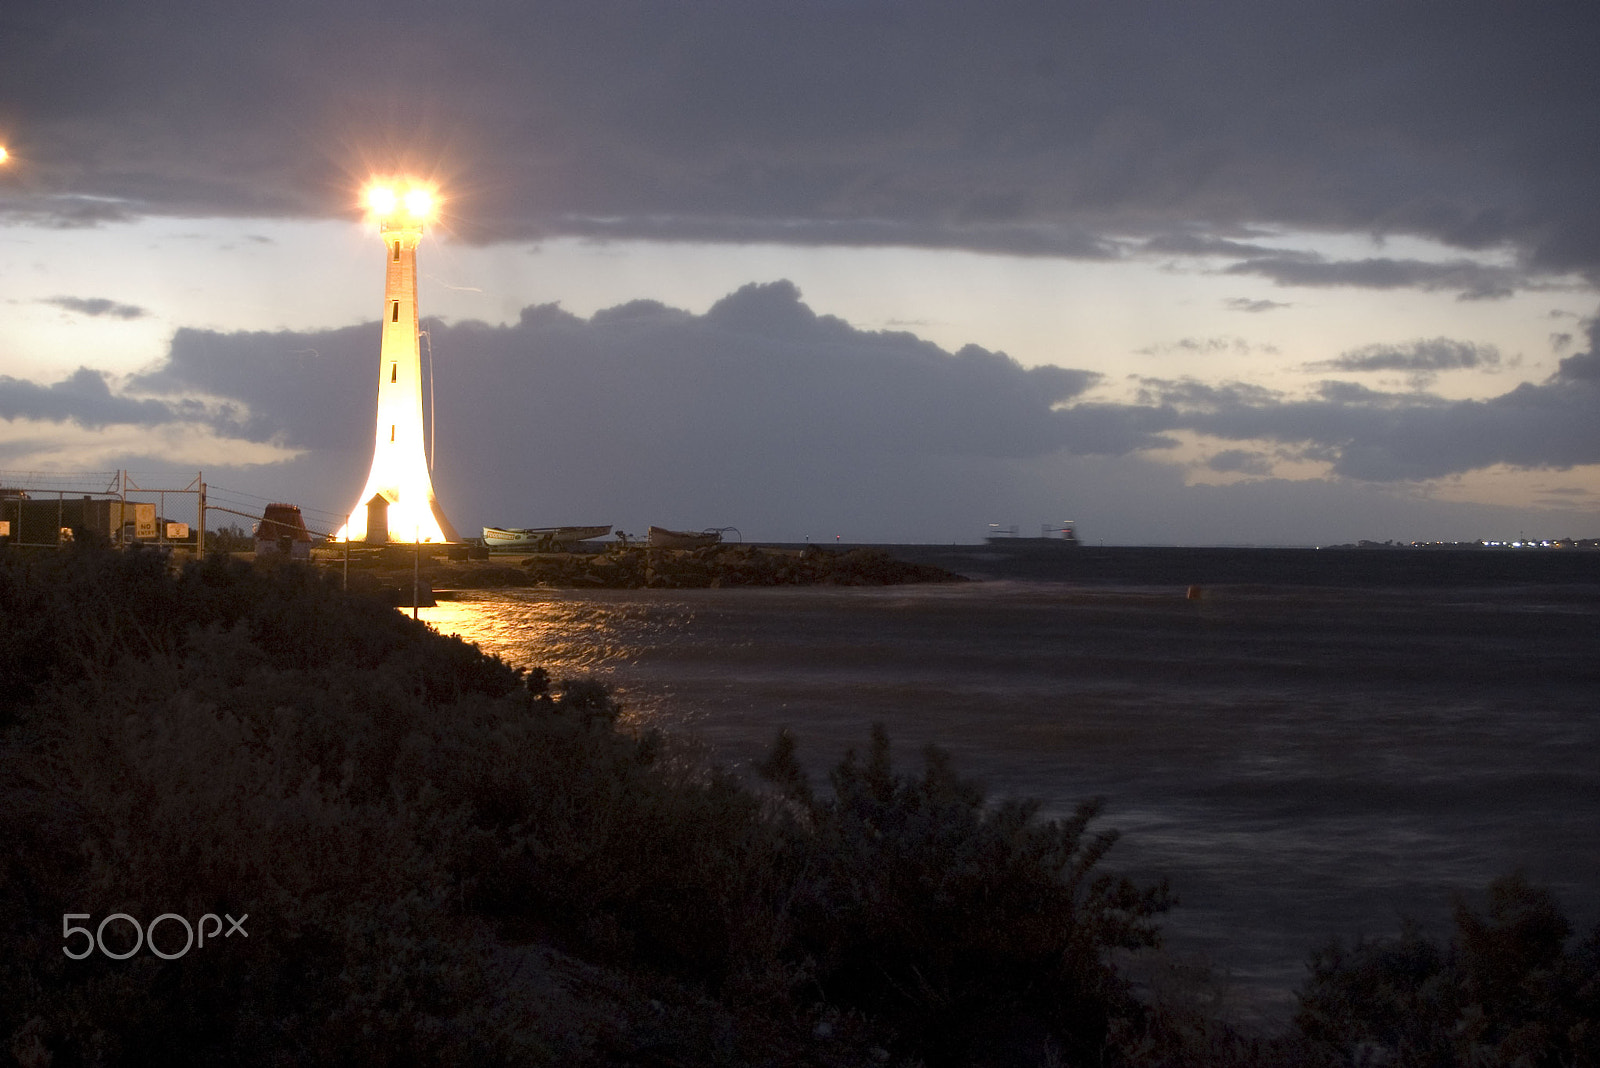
{"x": 1238, "y": 273}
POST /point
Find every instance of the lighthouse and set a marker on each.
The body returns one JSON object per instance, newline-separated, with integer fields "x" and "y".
{"x": 397, "y": 503}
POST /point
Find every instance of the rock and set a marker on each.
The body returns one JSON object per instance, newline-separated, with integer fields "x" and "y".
{"x": 717, "y": 566}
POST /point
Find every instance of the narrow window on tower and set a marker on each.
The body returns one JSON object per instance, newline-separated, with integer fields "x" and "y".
{"x": 394, "y": 372}
{"x": 391, "y": 431}
{"x": 397, "y": 252}
{"x": 394, "y": 312}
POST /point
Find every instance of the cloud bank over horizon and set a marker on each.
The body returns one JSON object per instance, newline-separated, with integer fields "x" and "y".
{"x": 762, "y": 414}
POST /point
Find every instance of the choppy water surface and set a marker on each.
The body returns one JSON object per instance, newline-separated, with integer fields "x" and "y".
{"x": 1302, "y": 758}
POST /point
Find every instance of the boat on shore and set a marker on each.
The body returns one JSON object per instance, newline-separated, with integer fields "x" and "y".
{"x": 540, "y": 539}
{"x": 662, "y": 538}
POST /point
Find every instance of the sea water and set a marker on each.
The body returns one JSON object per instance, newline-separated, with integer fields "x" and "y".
{"x": 1315, "y": 744}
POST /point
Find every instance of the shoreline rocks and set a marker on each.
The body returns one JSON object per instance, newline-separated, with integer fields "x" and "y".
{"x": 712, "y": 567}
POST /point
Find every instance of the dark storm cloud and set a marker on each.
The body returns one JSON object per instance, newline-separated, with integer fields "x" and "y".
{"x": 1383, "y": 437}
{"x": 305, "y": 388}
{"x": 1028, "y": 127}
{"x": 1192, "y": 395}
{"x": 85, "y": 398}
{"x": 1473, "y": 281}
{"x": 758, "y": 371}
{"x": 1433, "y": 354}
{"x": 1036, "y": 240}
{"x": 762, "y": 409}
{"x": 757, "y": 407}
{"x": 1585, "y": 366}
{"x": 1192, "y": 244}
{"x": 1242, "y": 461}
{"x": 65, "y": 211}
{"x": 97, "y": 306}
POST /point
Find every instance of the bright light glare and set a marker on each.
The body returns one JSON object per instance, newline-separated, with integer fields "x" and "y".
{"x": 4, "y": 155}
{"x": 419, "y": 202}
{"x": 381, "y": 199}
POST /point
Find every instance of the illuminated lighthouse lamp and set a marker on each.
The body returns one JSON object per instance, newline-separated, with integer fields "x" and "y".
{"x": 398, "y": 504}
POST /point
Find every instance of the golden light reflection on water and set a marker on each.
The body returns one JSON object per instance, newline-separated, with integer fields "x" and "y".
{"x": 639, "y": 643}
{"x": 568, "y": 635}
{"x": 563, "y": 637}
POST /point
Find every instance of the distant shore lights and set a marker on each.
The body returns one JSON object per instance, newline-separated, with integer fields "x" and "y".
{"x": 398, "y": 502}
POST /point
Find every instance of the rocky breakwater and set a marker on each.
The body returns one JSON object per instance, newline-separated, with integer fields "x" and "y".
{"x": 715, "y": 566}
{"x": 396, "y": 585}
{"x": 720, "y": 566}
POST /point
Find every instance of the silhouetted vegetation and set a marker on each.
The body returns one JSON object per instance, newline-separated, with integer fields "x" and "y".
{"x": 232, "y": 538}
{"x": 445, "y": 860}
{"x": 1507, "y": 989}
{"x": 975, "y": 931}
{"x": 448, "y": 861}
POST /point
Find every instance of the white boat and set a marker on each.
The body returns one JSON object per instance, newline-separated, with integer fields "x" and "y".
{"x": 537, "y": 539}
{"x": 662, "y": 538}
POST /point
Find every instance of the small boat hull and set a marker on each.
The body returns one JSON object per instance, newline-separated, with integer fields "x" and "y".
{"x": 662, "y": 538}
{"x": 536, "y": 539}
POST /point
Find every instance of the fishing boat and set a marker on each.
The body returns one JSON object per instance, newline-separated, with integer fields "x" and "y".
{"x": 662, "y": 538}
{"x": 540, "y": 539}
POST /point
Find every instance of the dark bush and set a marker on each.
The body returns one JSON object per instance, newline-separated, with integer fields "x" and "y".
{"x": 227, "y": 740}
{"x": 232, "y": 538}
{"x": 444, "y": 860}
{"x": 1506, "y": 990}
{"x": 447, "y": 861}
{"x": 976, "y": 931}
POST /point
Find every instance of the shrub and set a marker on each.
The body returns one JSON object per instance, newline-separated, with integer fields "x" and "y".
{"x": 445, "y": 860}
{"x": 1506, "y": 990}
{"x": 227, "y": 740}
{"x": 397, "y": 814}
{"x": 973, "y": 930}
{"x": 232, "y": 538}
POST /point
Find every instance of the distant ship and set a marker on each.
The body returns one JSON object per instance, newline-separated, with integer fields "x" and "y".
{"x": 540, "y": 539}
{"x": 1060, "y": 536}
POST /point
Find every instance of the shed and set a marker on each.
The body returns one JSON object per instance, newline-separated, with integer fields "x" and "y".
{"x": 282, "y": 530}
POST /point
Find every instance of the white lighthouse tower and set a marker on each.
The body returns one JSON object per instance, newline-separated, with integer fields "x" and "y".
{"x": 397, "y": 504}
